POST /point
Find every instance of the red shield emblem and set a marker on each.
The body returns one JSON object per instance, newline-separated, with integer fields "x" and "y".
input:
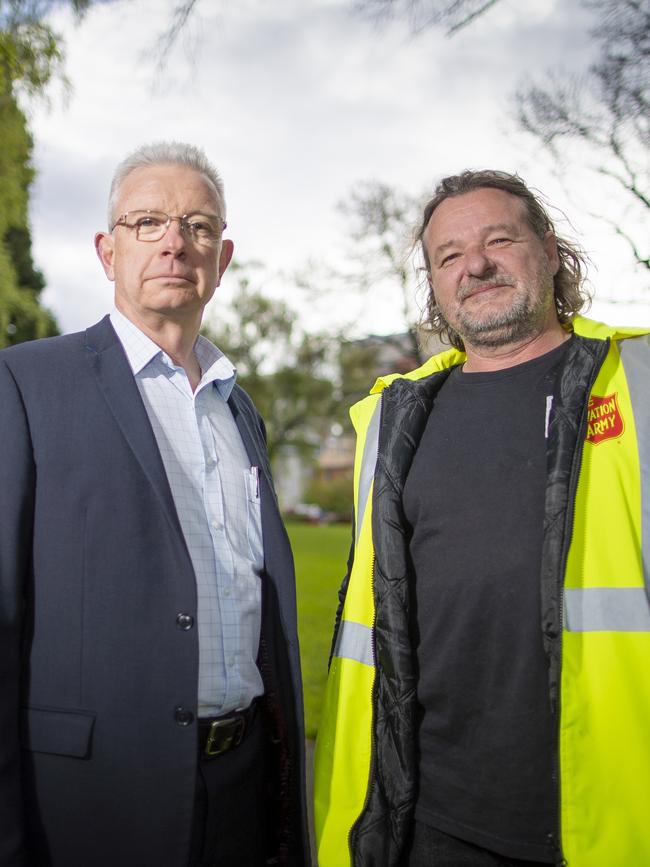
{"x": 604, "y": 419}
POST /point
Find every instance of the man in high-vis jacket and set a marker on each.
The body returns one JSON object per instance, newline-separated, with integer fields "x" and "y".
{"x": 488, "y": 700}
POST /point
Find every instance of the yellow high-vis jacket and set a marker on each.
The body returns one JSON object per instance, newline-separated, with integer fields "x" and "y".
{"x": 595, "y": 614}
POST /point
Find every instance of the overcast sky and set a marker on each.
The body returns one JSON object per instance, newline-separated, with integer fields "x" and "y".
{"x": 296, "y": 101}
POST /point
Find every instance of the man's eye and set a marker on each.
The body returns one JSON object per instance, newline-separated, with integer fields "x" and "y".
{"x": 202, "y": 227}
{"x": 499, "y": 241}
{"x": 148, "y": 222}
{"x": 199, "y": 226}
{"x": 448, "y": 259}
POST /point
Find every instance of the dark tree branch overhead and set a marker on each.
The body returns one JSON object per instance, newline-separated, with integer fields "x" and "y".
{"x": 180, "y": 17}
{"x": 483, "y": 7}
{"x": 640, "y": 258}
{"x": 423, "y": 14}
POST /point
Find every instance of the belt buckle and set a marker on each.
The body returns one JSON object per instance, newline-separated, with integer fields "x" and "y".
{"x": 224, "y": 734}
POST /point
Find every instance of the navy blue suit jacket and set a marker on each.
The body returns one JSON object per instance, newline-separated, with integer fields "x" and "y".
{"x": 94, "y": 768}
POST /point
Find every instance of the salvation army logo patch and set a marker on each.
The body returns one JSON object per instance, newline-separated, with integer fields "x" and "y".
{"x": 604, "y": 419}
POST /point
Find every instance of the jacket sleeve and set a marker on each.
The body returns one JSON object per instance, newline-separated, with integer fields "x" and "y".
{"x": 17, "y": 487}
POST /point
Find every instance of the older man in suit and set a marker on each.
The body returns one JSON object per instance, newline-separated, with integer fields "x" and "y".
{"x": 151, "y": 710}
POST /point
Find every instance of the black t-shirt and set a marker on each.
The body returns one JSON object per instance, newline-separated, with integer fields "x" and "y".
{"x": 474, "y": 500}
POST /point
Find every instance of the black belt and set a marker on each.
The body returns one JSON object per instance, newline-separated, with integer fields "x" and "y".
{"x": 218, "y": 735}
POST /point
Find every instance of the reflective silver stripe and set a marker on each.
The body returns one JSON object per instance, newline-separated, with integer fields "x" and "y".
{"x": 368, "y": 462}
{"x": 354, "y": 641}
{"x": 607, "y": 609}
{"x": 635, "y": 354}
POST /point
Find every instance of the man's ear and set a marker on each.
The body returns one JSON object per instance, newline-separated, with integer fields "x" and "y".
{"x": 105, "y": 249}
{"x": 550, "y": 245}
{"x": 227, "y": 249}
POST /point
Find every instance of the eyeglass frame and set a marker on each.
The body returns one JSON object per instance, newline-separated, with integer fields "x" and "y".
{"x": 121, "y": 221}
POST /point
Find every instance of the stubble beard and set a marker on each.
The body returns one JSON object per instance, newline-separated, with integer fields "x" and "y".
{"x": 525, "y": 315}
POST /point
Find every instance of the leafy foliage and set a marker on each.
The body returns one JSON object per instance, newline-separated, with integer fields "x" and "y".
{"x": 332, "y": 495}
{"x": 31, "y": 55}
{"x": 280, "y": 366}
{"x": 21, "y": 316}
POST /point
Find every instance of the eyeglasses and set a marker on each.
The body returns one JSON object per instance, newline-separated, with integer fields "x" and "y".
{"x": 152, "y": 225}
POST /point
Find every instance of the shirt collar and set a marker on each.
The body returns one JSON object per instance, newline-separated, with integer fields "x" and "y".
{"x": 141, "y": 350}
{"x": 216, "y": 366}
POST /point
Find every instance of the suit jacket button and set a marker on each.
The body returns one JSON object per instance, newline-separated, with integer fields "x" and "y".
{"x": 184, "y": 621}
{"x": 183, "y": 716}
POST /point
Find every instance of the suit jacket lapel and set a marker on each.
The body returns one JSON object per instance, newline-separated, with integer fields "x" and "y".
{"x": 278, "y": 561}
{"x": 250, "y": 433}
{"x": 117, "y": 383}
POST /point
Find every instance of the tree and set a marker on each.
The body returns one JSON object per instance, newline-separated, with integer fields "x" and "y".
{"x": 30, "y": 56}
{"x": 381, "y": 224}
{"x": 31, "y": 53}
{"x": 21, "y": 316}
{"x": 606, "y": 114}
{"x": 334, "y": 496}
{"x": 284, "y": 369}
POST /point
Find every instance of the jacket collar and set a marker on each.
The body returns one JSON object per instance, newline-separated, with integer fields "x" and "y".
{"x": 581, "y": 326}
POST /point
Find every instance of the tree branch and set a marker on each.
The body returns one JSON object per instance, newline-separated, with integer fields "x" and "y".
{"x": 167, "y": 39}
{"x": 638, "y": 256}
{"x": 423, "y": 14}
{"x": 469, "y": 18}
{"x": 631, "y": 185}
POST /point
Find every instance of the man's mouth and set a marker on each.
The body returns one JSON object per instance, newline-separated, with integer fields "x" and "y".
{"x": 481, "y": 288}
{"x": 174, "y": 278}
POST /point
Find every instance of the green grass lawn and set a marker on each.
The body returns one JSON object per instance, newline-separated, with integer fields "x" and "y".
{"x": 321, "y": 554}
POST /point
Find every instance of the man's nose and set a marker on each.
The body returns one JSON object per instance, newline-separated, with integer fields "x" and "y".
{"x": 174, "y": 240}
{"x": 477, "y": 261}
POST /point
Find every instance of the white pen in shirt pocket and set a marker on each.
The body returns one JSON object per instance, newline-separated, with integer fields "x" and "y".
{"x": 254, "y": 484}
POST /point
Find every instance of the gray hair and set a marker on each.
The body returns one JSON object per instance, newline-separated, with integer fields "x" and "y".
{"x": 571, "y": 294}
{"x": 172, "y": 153}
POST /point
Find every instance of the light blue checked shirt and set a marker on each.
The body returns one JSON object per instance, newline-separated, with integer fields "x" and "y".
{"x": 216, "y": 493}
